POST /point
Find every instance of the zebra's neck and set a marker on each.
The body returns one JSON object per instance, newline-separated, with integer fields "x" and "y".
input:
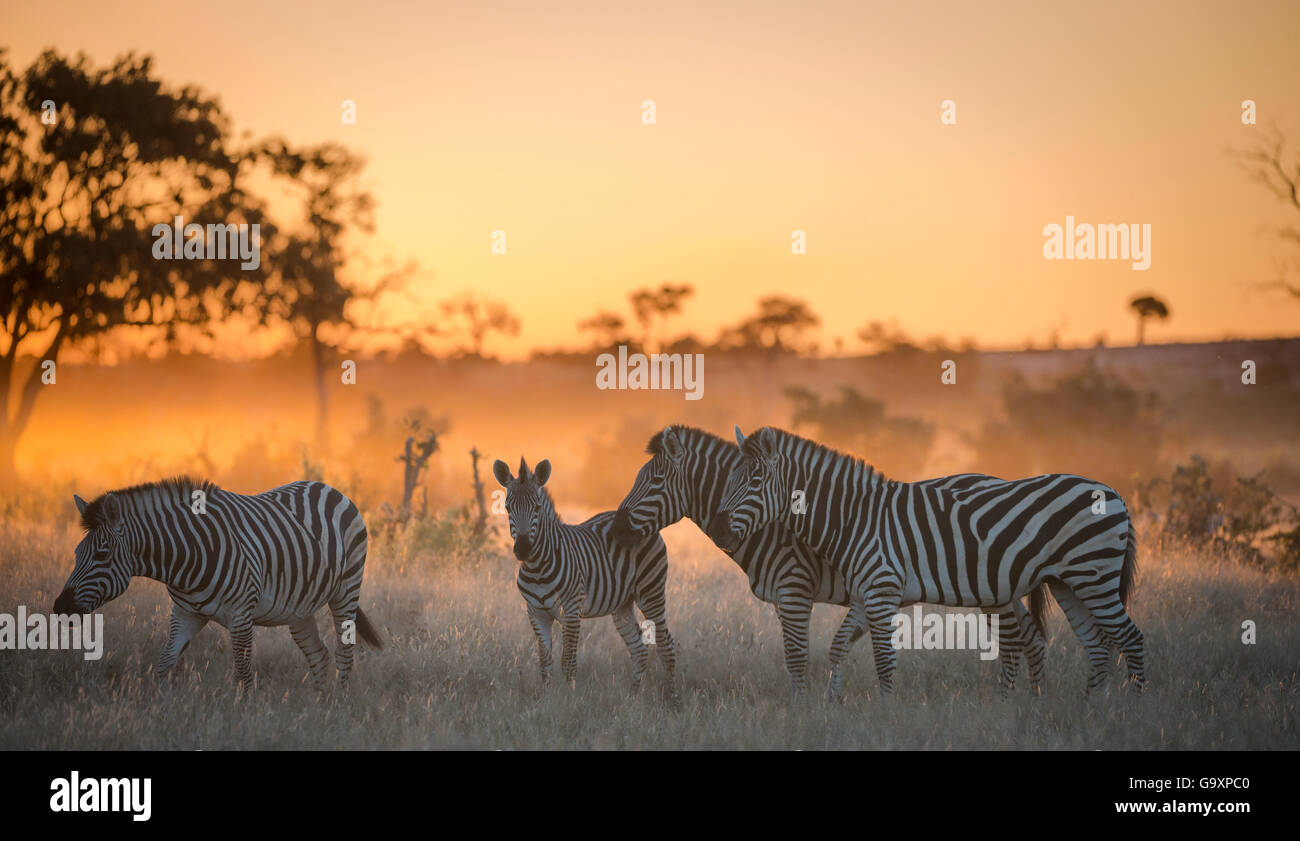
{"x": 160, "y": 545}
{"x": 709, "y": 461}
{"x": 831, "y": 482}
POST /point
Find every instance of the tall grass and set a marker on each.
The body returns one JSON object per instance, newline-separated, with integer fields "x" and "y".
{"x": 459, "y": 669}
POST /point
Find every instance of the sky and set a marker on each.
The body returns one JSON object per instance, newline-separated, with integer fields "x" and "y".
{"x": 526, "y": 118}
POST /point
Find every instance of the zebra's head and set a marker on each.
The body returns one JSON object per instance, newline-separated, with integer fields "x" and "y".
{"x": 658, "y": 495}
{"x": 754, "y": 491}
{"x": 103, "y": 558}
{"x": 525, "y": 502}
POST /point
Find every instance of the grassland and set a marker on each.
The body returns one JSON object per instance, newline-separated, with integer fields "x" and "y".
{"x": 459, "y": 671}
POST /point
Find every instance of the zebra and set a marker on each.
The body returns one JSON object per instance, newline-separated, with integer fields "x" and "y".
{"x": 574, "y": 572}
{"x": 273, "y": 558}
{"x": 685, "y": 478}
{"x": 896, "y": 542}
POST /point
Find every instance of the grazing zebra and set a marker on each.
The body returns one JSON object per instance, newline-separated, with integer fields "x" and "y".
{"x": 271, "y": 559}
{"x": 570, "y": 573}
{"x": 685, "y": 477}
{"x": 896, "y": 542}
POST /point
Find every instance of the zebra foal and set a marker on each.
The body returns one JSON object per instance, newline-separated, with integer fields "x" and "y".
{"x": 574, "y": 572}
{"x": 273, "y": 558}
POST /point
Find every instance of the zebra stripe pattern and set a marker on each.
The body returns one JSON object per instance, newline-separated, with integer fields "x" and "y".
{"x": 686, "y": 477}
{"x": 568, "y": 573}
{"x": 896, "y": 542}
{"x": 274, "y": 558}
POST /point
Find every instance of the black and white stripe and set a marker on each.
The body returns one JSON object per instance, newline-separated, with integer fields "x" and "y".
{"x": 686, "y": 478}
{"x": 568, "y": 573}
{"x": 898, "y": 542}
{"x": 274, "y": 558}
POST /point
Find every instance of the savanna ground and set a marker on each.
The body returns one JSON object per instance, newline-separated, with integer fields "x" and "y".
{"x": 459, "y": 670}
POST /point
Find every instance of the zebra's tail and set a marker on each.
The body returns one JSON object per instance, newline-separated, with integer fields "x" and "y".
{"x": 1039, "y": 605}
{"x": 1128, "y": 575}
{"x": 367, "y": 631}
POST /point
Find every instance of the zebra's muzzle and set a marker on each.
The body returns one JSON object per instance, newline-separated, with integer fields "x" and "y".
{"x": 624, "y": 533}
{"x": 66, "y": 604}
{"x": 723, "y": 533}
{"x": 523, "y": 546}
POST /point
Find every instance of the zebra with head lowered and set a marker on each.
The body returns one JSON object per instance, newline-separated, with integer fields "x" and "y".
{"x": 686, "y": 477}
{"x": 274, "y": 558}
{"x": 574, "y": 572}
{"x": 898, "y": 542}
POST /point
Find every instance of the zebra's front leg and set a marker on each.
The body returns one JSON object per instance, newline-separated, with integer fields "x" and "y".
{"x": 543, "y": 624}
{"x": 850, "y": 631}
{"x": 571, "y": 624}
{"x": 307, "y": 637}
{"x": 793, "y": 610}
{"x": 880, "y": 612}
{"x": 625, "y": 621}
{"x": 183, "y": 627}
{"x": 1035, "y": 647}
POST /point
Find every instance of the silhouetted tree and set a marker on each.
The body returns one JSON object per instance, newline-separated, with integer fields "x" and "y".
{"x": 1147, "y": 306}
{"x": 1269, "y": 165}
{"x": 609, "y": 329}
{"x": 480, "y": 318}
{"x": 779, "y": 326}
{"x": 656, "y": 305}
{"x": 121, "y": 153}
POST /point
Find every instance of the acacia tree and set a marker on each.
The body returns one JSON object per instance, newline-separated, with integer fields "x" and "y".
{"x": 1147, "y": 306}
{"x": 90, "y": 161}
{"x": 313, "y": 281}
{"x": 479, "y": 318}
{"x": 779, "y": 326}
{"x": 657, "y": 305}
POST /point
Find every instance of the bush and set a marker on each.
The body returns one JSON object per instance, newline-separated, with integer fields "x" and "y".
{"x": 896, "y": 445}
{"x": 1234, "y": 517}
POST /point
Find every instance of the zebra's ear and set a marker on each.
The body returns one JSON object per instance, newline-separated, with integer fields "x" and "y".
{"x": 502, "y": 472}
{"x": 112, "y": 509}
{"x": 671, "y": 445}
{"x": 740, "y": 437}
{"x": 81, "y": 504}
{"x": 543, "y": 472}
{"x": 767, "y": 442}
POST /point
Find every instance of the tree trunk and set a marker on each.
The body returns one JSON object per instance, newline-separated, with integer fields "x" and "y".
{"x": 1142, "y": 329}
{"x": 318, "y": 353}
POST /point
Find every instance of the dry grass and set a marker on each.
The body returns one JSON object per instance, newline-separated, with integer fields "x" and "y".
{"x": 459, "y": 671}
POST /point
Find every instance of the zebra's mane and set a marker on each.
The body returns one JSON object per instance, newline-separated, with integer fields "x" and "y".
{"x": 656, "y": 445}
{"x": 174, "y": 489}
{"x": 751, "y": 450}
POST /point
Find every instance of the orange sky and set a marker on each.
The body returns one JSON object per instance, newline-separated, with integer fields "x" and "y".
{"x": 525, "y": 117}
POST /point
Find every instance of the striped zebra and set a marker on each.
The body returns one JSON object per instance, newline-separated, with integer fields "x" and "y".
{"x": 685, "y": 478}
{"x": 568, "y": 573}
{"x": 896, "y": 542}
{"x": 274, "y": 558}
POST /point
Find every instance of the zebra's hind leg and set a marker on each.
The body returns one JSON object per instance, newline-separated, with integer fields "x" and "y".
{"x": 1119, "y": 629}
{"x": 184, "y": 626}
{"x": 850, "y": 631}
{"x": 307, "y": 637}
{"x": 1088, "y": 632}
{"x": 625, "y": 621}
{"x": 1035, "y": 646}
{"x": 343, "y": 609}
{"x": 1009, "y": 646}
{"x": 794, "y": 610}
{"x": 241, "y": 646}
